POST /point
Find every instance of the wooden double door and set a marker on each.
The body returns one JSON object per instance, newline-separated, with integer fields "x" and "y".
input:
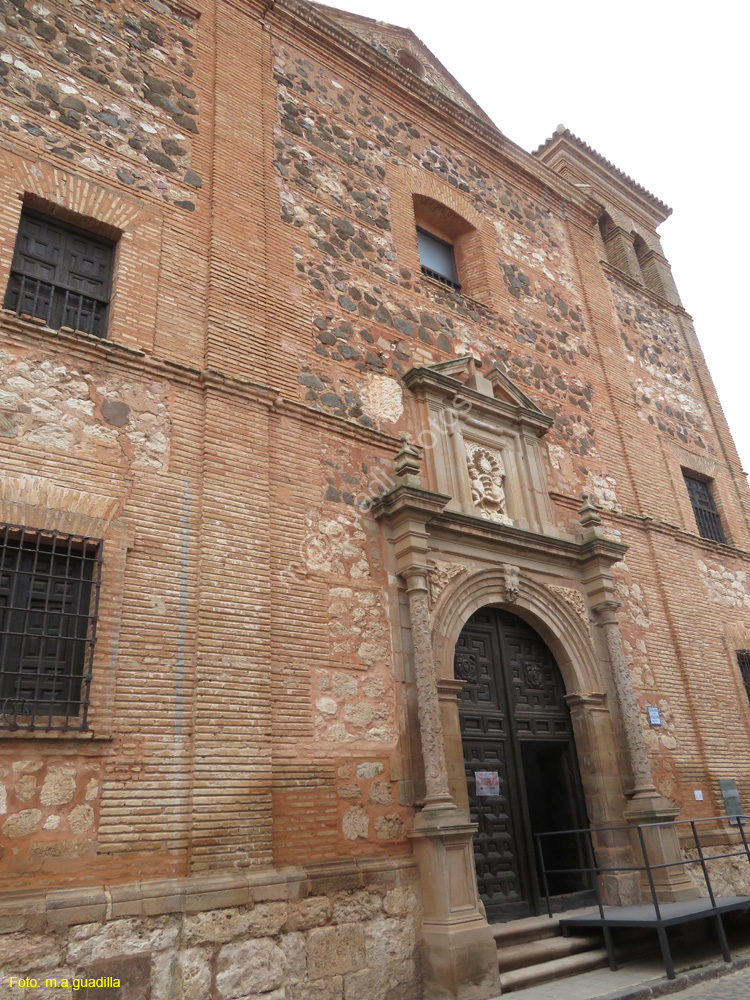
{"x": 521, "y": 766}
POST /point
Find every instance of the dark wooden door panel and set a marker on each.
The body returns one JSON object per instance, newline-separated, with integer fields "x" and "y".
{"x": 513, "y": 697}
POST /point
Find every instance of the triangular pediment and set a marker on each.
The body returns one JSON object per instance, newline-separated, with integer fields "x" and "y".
{"x": 505, "y": 389}
{"x": 403, "y": 47}
{"x": 495, "y": 390}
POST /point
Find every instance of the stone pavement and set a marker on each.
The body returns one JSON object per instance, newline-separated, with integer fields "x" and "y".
{"x": 732, "y": 987}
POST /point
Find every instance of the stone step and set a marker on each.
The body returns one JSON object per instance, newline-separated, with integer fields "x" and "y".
{"x": 521, "y": 956}
{"x": 558, "y": 968}
{"x": 528, "y": 929}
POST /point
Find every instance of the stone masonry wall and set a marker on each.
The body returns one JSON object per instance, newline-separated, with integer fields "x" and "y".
{"x": 351, "y": 933}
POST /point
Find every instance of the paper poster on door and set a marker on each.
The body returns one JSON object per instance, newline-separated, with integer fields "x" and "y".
{"x": 488, "y": 782}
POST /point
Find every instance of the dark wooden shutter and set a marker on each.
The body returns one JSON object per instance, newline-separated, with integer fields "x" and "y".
{"x": 61, "y": 274}
{"x": 704, "y": 508}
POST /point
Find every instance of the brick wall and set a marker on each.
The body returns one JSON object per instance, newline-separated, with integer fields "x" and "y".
{"x": 261, "y": 171}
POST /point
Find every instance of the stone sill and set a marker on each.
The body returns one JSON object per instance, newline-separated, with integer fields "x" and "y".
{"x": 39, "y": 734}
{"x": 470, "y": 301}
{"x": 55, "y": 910}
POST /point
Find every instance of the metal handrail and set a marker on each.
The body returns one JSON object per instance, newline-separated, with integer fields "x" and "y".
{"x": 595, "y": 870}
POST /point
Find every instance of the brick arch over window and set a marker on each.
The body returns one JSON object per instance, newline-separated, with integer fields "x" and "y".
{"x": 104, "y": 209}
{"x": 444, "y": 212}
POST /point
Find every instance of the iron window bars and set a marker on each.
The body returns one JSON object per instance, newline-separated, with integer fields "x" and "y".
{"x": 437, "y": 259}
{"x": 49, "y": 597}
{"x": 704, "y": 508}
{"x": 60, "y": 274}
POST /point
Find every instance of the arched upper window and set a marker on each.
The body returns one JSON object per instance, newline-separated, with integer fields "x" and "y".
{"x": 450, "y": 248}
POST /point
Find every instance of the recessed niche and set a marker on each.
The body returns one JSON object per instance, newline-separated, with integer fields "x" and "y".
{"x": 410, "y": 62}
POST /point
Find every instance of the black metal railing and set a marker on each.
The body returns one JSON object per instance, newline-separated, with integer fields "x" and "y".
{"x": 57, "y": 305}
{"x": 594, "y": 870}
{"x": 437, "y": 276}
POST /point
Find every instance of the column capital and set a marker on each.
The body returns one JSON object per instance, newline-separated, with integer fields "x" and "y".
{"x": 606, "y": 612}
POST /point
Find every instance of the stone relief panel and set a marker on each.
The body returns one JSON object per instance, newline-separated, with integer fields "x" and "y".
{"x": 573, "y": 598}
{"x": 441, "y": 575}
{"x": 487, "y": 478}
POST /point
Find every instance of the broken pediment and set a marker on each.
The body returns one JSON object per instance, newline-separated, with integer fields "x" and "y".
{"x": 480, "y": 435}
{"x": 494, "y": 391}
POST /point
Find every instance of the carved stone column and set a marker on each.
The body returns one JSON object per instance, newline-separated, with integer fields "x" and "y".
{"x": 640, "y": 765}
{"x": 437, "y": 790}
{"x": 459, "y": 956}
{"x": 646, "y": 807}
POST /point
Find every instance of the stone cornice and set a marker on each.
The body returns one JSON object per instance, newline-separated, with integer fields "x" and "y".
{"x": 646, "y": 523}
{"x": 414, "y": 500}
{"x": 565, "y": 147}
{"x": 310, "y": 19}
{"x": 508, "y": 539}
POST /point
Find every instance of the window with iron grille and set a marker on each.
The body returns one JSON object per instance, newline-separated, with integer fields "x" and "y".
{"x": 49, "y": 592}
{"x": 438, "y": 259}
{"x": 743, "y": 659}
{"x": 60, "y": 274}
{"x": 704, "y": 508}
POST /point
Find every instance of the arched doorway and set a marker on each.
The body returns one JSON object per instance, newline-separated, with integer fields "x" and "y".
{"x": 521, "y": 767}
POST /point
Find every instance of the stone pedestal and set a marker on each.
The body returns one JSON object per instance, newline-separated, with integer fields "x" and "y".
{"x": 459, "y": 956}
{"x": 662, "y": 847}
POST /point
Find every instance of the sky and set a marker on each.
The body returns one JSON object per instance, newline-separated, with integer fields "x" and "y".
{"x": 660, "y": 88}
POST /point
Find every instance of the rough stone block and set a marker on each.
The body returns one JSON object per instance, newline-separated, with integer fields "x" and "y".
{"x": 217, "y": 926}
{"x": 321, "y": 989}
{"x": 133, "y": 971}
{"x": 393, "y": 982}
{"x": 294, "y": 947}
{"x": 400, "y": 902}
{"x": 194, "y": 973}
{"x": 249, "y": 967}
{"x": 22, "y": 823}
{"x": 306, "y": 913}
{"x": 352, "y": 907}
{"x": 27, "y": 952}
{"x": 335, "y": 950}
{"x": 92, "y": 942}
{"x": 59, "y": 786}
{"x": 355, "y": 823}
{"x": 389, "y": 940}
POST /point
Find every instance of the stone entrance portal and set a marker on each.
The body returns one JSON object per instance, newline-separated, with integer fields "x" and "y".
{"x": 521, "y": 766}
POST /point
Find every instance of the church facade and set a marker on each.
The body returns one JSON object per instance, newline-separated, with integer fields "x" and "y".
{"x": 366, "y": 507}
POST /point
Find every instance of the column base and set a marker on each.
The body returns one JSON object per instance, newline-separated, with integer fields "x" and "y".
{"x": 662, "y": 846}
{"x": 459, "y": 955}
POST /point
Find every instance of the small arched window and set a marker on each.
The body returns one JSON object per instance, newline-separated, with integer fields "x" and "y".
{"x": 450, "y": 248}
